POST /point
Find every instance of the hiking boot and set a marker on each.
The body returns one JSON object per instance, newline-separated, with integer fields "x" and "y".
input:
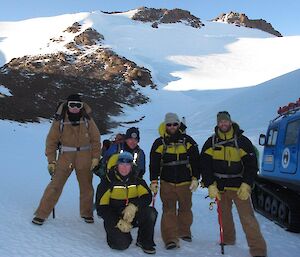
{"x": 38, "y": 221}
{"x": 148, "y": 250}
{"x": 88, "y": 219}
{"x": 186, "y": 238}
{"x": 171, "y": 245}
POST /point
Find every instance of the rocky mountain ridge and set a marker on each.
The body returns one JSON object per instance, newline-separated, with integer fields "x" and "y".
{"x": 165, "y": 16}
{"x": 241, "y": 19}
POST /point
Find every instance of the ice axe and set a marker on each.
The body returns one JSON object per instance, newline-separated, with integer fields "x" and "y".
{"x": 53, "y": 211}
{"x": 219, "y": 210}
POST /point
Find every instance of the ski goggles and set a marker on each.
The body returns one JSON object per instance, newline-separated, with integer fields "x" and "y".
{"x": 172, "y": 124}
{"x": 75, "y": 104}
{"x": 124, "y": 160}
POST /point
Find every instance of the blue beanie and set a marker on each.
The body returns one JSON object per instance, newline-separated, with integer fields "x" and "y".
{"x": 125, "y": 157}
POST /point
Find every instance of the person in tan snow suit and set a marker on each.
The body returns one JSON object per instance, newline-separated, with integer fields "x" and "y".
{"x": 76, "y": 136}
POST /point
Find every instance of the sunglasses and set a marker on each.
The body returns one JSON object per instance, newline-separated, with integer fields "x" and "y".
{"x": 75, "y": 104}
{"x": 120, "y": 161}
{"x": 172, "y": 124}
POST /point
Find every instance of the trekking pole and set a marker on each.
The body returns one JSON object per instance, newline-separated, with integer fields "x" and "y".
{"x": 53, "y": 211}
{"x": 153, "y": 199}
{"x": 219, "y": 210}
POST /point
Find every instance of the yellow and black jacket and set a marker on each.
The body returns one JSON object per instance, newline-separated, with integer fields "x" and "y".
{"x": 174, "y": 158}
{"x": 229, "y": 159}
{"x": 115, "y": 192}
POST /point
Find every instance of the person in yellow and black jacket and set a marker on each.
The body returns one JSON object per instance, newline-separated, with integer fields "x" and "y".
{"x": 174, "y": 159}
{"x": 123, "y": 200}
{"x": 229, "y": 166}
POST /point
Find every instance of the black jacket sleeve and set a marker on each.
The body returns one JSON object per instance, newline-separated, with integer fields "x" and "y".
{"x": 104, "y": 210}
{"x": 249, "y": 161}
{"x": 194, "y": 157}
{"x": 142, "y": 164}
{"x": 206, "y": 164}
{"x": 155, "y": 160}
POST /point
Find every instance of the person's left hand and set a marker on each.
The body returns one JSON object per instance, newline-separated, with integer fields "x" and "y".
{"x": 129, "y": 212}
{"x": 95, "y": 162}
{"x": 124, "y": 226}
{"x": 194, "y": 184}
{"x": 244, "y": 191}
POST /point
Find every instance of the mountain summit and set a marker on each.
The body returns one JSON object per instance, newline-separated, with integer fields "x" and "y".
{"x": 241, "y": 19}
{"x": 159, "y": 16}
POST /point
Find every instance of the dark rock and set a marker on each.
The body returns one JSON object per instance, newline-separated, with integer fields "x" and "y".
{"x": 240, "y": 19}
{"x": 89, "y": 37}
{"x": 158, "y": 16}
{"x": 74, "y": 28}
{"x": 106, "y": 80}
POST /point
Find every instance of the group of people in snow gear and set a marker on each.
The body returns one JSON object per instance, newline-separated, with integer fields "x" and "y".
{"x": 227, "y": 165}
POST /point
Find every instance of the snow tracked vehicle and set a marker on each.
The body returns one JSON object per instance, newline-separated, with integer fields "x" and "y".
{"x": 276, "y": 192}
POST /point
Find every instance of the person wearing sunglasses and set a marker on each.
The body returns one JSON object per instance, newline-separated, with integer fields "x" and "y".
{"x": 123, "y": 203}
{"x": 76, "y": 136}
{"x": 174, "y": 160}
{"x": 229, "y": 166}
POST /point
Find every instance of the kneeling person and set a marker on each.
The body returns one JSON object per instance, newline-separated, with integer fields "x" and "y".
{"x": 123, "y": 201}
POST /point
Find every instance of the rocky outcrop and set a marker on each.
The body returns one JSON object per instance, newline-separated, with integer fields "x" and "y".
{"x": 158, "y": 16}
{"x": 89, "y": 37}
{"x": 76, "y": 27}
{"x": 106, "y": 81}
{"x": 240, "y": 19}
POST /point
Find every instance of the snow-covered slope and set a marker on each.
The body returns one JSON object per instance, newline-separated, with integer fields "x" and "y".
{"x": 216, "y": 56}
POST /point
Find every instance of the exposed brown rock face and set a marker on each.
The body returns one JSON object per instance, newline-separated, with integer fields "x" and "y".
{"x": 74, "y": 28}
{"x": 105, "y": 80}
{"x": 158, "y": 16}
{"x": 240, "y": 19}
{"x": 88, "y": 37}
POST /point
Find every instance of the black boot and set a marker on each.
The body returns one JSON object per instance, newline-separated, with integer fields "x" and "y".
{"x": 38, "y": 221}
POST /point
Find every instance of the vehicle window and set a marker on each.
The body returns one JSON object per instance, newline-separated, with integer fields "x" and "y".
{"x": 292, "y": 132}
{"x": 272, "y": 137}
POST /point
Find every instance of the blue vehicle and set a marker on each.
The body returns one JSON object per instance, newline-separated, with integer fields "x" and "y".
{"x": 276, "y": 192}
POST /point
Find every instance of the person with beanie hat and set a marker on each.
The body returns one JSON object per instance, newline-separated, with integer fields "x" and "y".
{"x": 123, "y": 202}
{"x": 132, "y": 138}
{"x": 133, "y": 133}
{"x": 229, "y": 166}
{"x": 174, "y": 160}
{"x": 78, "y": 138}
{"x": 171, "y": 118}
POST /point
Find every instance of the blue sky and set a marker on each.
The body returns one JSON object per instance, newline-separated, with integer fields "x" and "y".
{"x": 282, "y": 14}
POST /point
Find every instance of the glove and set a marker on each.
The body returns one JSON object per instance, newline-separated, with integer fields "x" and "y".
{"x": 129, "y": 212}
{"x": 51, "y": 168}
{"x": 213, "y": 191}
{"x": 244, "y": 191}
{"x": 124, "y": 226}
{"x": 95, "y": 162}
{"x": 154, "y": 186}
{"x": 194, "y": 184}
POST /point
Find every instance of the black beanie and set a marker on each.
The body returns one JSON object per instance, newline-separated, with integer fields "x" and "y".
{"x": 74, "y": 97}
{"x": 133, "y": 133}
